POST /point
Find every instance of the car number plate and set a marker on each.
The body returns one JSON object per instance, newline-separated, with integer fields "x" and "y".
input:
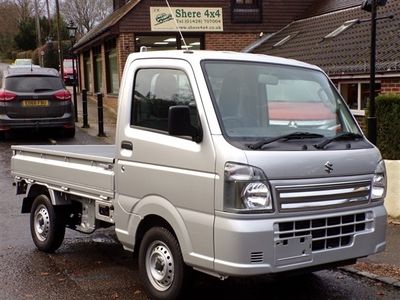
{"x": 35, "y": 103}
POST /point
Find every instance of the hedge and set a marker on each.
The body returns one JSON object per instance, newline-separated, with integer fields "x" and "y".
{"x": 388, "y": 125}
{"x": 50, "y": 58}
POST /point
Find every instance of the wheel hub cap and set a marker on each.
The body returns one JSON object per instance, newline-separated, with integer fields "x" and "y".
{"x": 42, "y": 223}
{"x": 160, "y": 266}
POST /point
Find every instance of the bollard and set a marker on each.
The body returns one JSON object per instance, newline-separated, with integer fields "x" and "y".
{"x": 84, "y": 109}
{"x": 74, "y": 90}
{"x": 100, "y": 114}
{"x": 75, "y": 103}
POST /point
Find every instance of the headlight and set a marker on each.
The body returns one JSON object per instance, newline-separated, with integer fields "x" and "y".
{"x": 246, "y": 189}
{"x": 378, "y": 191}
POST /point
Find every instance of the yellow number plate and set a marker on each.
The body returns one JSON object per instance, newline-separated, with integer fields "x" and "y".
{"x": 35, "y": 103}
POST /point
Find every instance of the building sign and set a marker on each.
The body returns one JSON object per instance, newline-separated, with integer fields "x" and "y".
{"x": 188, "y": 19}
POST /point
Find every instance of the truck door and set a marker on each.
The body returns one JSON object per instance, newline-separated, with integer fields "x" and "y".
{"x": 169, "y": 176}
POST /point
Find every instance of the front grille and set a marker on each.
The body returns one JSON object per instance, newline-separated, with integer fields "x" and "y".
{"x": 326, "y": 233}
{"x": 322, "y": 196}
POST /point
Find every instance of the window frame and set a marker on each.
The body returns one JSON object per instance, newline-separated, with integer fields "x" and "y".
{"x": 345, "y": 26}
{"x": 134, "y": 102}
{"x": 110, "y": 47}
{"x": 98, "y": 72}
{"x": 87, "y": 69}
{"x": 242, "y": 13}
{"x": 178, "y": 43}
{"x": 359, "y": 111}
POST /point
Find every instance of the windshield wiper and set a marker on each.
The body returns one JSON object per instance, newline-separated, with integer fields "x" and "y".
{"x": 290, "y": 136}
{"x": 340, "y": 136}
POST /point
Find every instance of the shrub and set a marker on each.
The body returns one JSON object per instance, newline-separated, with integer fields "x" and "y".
{"x": 388, "y": 125}
{"x": 25, "y": 54}
{"x": 50, "y": 58}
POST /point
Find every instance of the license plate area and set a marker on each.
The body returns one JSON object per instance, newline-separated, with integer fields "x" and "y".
{"x": 293, "y": 250}
{"x": 35, "y": 103}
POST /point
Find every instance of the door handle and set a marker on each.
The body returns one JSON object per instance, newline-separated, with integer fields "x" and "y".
{"x": 127, "y": 145}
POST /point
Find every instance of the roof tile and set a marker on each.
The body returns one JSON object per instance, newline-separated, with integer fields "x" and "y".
{"x": 348, "y": 52}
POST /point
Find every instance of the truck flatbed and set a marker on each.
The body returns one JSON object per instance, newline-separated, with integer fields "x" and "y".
{"x": 85, "y": 170}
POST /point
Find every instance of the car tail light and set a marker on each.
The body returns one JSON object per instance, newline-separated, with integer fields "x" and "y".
{"x": 7, "y": 96}
{"x": 63, "y": 95}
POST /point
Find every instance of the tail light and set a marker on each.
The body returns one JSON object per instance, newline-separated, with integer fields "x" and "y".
{"x": 7, "y": 96}
{"x": 63, "y": 95}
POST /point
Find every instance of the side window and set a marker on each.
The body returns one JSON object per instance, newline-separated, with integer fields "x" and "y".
{"x": 155, "y": 91}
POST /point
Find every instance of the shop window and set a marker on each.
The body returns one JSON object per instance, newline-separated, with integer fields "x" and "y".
{"x": 87, "y": 69}
{"x": 168, "y": 42}
{"x": 98, "y": 70}
{"x": 112, "y": 67}
{"x": 246, "y": 11}
{"x": 356, "y": 95}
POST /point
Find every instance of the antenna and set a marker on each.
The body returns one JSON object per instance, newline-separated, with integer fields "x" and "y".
{"x": 176, "y": 24}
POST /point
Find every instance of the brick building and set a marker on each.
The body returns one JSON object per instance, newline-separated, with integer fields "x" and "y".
{"x": 335, "y": 35}
{"x": 212, "y": 25}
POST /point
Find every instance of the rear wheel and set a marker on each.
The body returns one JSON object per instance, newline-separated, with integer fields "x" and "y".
{"x": 47, "y": 224}
{"x": 161, "y": 265}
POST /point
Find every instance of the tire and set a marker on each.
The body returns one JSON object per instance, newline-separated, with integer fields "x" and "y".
{"x": 69, "y": 133}
{"x": 47, "y": 224}
{"x": 161, "y": 265}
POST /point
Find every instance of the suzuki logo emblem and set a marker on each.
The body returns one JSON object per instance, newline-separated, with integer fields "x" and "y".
{"x": 328, "y": 167}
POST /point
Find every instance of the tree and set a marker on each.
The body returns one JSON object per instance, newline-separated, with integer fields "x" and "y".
{"x": 26, "y": 37}
{"x": 85, "y": 13}
{"x": 9, "y": 27}
{"x": 25, "y": 9}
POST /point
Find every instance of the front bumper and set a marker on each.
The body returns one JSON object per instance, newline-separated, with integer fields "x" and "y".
{"x": 245, "y": 247}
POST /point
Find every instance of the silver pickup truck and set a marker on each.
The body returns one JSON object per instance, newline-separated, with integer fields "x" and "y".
{"x": 231, "y": 164}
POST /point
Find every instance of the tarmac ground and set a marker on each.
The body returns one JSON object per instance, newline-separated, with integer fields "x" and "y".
{"x": 384, "y": 266}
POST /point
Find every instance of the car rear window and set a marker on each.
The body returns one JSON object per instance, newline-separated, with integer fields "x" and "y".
{"x": 33, "y": 84}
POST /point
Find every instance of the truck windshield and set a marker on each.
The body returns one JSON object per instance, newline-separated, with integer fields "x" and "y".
{"x": 263, "y": 101}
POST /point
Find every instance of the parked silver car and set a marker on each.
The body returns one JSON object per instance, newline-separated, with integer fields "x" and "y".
{"x": 35, "y": 98}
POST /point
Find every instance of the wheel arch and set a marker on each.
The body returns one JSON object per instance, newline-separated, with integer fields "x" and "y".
{"x": 156, "y": 211}
{"x": 146, "y": 224}
{"x": 34, "y": 190}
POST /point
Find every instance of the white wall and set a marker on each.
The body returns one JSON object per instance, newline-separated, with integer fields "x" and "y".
{"x": 392, "y": 201}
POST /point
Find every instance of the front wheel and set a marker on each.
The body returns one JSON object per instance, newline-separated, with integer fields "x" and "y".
{"x": 161, "y": 265}
{"x": 47, "y": 224}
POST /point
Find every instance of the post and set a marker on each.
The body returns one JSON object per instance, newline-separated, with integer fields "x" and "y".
{"x": 38, "y": 33}
{"x": 100, "y": 114}
{"x": 74, "y": 85}
{"x": 72, "y": 34}
{"x": 84, "y": 109}
{"x": 60, "y": 55}
{"x": 371, "y": 120}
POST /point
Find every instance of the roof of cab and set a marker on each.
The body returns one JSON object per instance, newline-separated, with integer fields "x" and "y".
{"x": 199, "y": 55}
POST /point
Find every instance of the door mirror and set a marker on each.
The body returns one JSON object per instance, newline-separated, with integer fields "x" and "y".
{"x": 179, "y": 123}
